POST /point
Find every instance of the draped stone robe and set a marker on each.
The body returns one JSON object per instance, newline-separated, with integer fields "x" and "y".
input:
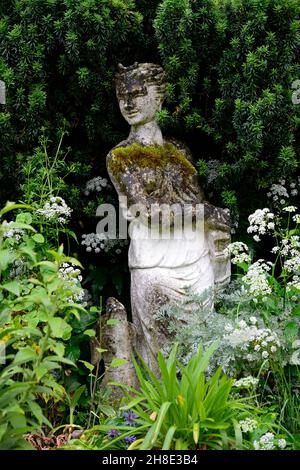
{"x": 163, "y": 269}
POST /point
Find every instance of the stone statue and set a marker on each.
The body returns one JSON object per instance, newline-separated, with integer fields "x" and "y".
{"x": 154, "y": 174}
{"x": 2, "y": 92}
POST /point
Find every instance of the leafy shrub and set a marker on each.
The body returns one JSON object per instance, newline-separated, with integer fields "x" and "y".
{"x": 230, "y": 67}
{"x": 187, "y": 411}
{"x": 36, "y": 305}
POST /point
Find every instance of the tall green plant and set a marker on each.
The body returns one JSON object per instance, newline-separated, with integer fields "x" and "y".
{"x": 183, "y": 409}
{"x": 36, "y": 305}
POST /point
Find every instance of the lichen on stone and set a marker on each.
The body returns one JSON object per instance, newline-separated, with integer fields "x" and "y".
{"x": 152, "y": 156}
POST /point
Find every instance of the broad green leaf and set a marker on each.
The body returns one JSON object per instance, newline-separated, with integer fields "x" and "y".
{"x": 60, "y": 328}
{"x": 14, "y": 287}
{"x": 6, "y": 258}
{"x": 89, "y": 332}
{"x": 38, "y": 238}
{"x": 24, "y": 218}
{"x": 169, "y": 437}
{"x": 12, "y": 206}
{"x": 25, "y": 355}
{"x": 88, "y": 365}
{"x": 117, "y": 362}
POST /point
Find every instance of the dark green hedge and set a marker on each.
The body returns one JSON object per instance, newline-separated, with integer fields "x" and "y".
{"x": 230, "y": 66}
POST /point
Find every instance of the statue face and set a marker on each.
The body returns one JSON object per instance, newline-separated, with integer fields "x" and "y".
{"x": 139, "y": 103}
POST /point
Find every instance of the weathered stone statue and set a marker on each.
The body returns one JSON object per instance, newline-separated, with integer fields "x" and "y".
{"x": 154, "y": 174}
{"x": 2, "y": 92}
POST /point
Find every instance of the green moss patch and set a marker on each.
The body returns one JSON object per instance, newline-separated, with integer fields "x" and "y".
{"x": 152, "y": 156}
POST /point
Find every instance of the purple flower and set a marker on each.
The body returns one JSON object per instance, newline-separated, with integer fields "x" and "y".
{"x": 130, "y": 417}
{"x": 76, "y": 433}
{"x": 113, "y": 433}
{"x": 129, "y": 439}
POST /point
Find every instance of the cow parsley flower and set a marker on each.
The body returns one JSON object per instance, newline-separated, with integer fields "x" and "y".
{"x": 12, "y": 232}
{"x": 289, "y": 209}
{"x": 256, "y": 278}
{"x": 296, "y": 218}
{"x": 248, "y": 425}
{"x": 246, "y": 382}
{"x": 99, "y": 242}
{"x": 72, "y": 275}
{"x": 260, "y": 223}
{"x": 56, "y": 210}
{"x": 95, "y": 184}
{"x": 239, "y": 251}
{"x": 256, "y": 342}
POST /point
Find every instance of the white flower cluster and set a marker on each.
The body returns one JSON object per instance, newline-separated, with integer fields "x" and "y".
{"x": 72, "y": 275}
{"x": 279, "y": 193}
{"x": 289, "y": 209}
{"x": 256, "y": 278}
{"x": 246, "y": 382}
{"x": 12, "y": 232}
{"x": 296, "y": 218}
{"x": 99, "y": 242}
{"x": 288, "y": 247}
{"x": 261, "y": 221}
{"x": 239, "y": 251}
{"x": 260, "y": 343}
{"x": 95, "y": 184}
{"x": 56, "y": 209}
{"x": 268, "y": 442}
{"x": 294, "y": 283}
{"x": 293, "y": 265}
{"x": 248, "y": 425}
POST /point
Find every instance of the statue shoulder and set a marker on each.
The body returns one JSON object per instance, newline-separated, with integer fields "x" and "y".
{"x": 182, "y": 147}
{"x": 123, "y": 143}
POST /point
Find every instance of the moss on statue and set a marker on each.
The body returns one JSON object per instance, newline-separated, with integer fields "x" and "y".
{"x": 152, "y": 156}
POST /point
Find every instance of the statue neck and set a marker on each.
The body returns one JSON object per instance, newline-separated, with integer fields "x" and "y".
{"x": 146, "y": 134}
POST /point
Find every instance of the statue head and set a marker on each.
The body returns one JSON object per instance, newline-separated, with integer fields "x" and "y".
{"x": 140, "y": 91}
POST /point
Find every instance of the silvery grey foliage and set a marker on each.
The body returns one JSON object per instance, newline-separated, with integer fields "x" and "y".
{"x": 246, "y": 340}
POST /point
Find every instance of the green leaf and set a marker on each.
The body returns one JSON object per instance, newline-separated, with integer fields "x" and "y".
{"x": 118, "y": 362}
{"x": 12, "y": 206}
{"x": 160, "y": 419}
{"x": 73, "y": 352}
{"x": 296, "y": 311}
{"x": 40, "y": 371}
{"x": 14, "y": 287}
{"x": 25, "y": 355}
{"x": 76, "y": 397}
{"x": 112, "y": 322}
{"x": 24, "y": 218}
{"x": 169, "y": 437}
{"x": 60, "y": 328}
{"x": 88, "y": 365}
{"x": 3, "y": 428}
{"x": 90, "y": 332}
{"x": 38, "y": 238}
{"x": 6, "y": 258}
